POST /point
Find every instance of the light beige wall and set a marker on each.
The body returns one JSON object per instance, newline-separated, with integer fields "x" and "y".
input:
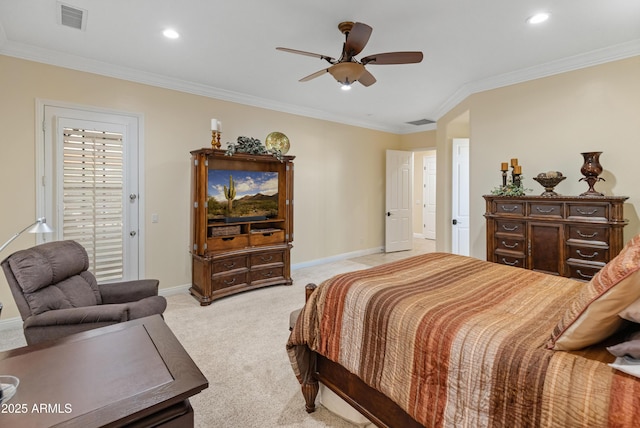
{"x": 546, "y": 124}
{"x": 339, "y": 169}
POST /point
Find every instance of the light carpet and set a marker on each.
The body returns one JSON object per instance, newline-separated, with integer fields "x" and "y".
{"x": 238, "y": 343}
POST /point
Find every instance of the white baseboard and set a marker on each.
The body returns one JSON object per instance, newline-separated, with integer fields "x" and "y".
{"x": 11, "y": 324}
{"x": 337, "y": 257}
{"x": 419, "y": 235}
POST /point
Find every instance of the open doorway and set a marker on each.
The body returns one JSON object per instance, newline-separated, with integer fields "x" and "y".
{"x": 424, "y": 195}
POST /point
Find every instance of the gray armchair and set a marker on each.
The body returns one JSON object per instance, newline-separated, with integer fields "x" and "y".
{"x": 57, "y": 296}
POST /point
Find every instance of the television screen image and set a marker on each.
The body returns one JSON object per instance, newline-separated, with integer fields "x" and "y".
{"x": 234, "y": 195}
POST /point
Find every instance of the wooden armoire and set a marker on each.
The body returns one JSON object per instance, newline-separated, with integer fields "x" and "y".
{"x": 241, "y": 223}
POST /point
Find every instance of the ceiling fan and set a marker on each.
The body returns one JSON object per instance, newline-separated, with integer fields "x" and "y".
{"x": 347, "y": 69}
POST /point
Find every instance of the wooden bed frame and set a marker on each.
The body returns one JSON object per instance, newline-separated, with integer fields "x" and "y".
{"x": 374, "y": 405}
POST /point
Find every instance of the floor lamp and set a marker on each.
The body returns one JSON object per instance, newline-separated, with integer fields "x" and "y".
{"x": 40, "y": 226}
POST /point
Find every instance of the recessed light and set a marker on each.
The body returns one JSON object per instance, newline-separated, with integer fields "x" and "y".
{"x": 170, "y": 33}
{"x": 538, "y": 18}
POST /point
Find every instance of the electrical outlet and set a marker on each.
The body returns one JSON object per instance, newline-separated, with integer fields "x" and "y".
{"x": 154, "y": 218}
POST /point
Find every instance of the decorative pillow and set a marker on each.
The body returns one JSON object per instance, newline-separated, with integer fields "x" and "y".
{"x": 593, "y": 315}
{"x": 630, "y": 348}
{"x": 631, "y": 312}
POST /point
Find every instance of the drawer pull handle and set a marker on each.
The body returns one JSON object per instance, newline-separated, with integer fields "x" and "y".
{"x": 584, "y": 235}
{"x": 510, "y": 229}
{"x": 266, "y": 259}
{"x": 230, "y": 281}
{"x": 509, "y": 246}
{"x": 587, "y": 256}
{"x": 550, "y": 210}
{"x": 512, "y": 209}
{"x": 229, "y": 238}
{"x": 267, "y": 274}
{"x": 513, "y": 263}
{"x": 268, "y": 234}
{"x": 584, "y": 275}
{"x": 229, "y": 265}
{"x": 595, "y": 210}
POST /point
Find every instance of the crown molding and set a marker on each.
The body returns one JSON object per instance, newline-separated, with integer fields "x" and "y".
{"x": 60, "y": 59}
{"x": 575, "y": 62}
{"x": 600, "y": 56}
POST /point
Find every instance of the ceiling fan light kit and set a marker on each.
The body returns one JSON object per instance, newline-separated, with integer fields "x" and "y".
{"x": 347, "y": 69}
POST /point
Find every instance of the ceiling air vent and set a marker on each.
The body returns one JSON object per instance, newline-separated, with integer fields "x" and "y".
{"x": 71, "y": 16}
{"x": 421, "y": 122}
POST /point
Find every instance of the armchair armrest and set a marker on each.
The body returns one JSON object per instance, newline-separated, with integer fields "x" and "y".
{"x": 128, "y": 291}
{"x": 81, "y": 315}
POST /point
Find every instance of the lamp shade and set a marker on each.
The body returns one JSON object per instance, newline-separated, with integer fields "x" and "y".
{"x": 39, "y": 226}
{"x": 346, "y": 72}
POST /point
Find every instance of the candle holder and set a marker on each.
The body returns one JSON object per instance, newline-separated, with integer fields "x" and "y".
{"x": 215, "y": 139}
{"x": 504, "y": 178}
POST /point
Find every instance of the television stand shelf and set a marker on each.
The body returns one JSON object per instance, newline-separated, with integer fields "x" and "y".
{"x": 242, "y": 223}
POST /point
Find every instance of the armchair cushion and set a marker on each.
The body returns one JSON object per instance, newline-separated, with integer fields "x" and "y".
{"x": 44, "y": 265}
{"x": 85, "y": 315}
{"x": 128, "y": 291}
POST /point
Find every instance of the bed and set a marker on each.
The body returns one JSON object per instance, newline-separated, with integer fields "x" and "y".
{"x": 442, "y": 340}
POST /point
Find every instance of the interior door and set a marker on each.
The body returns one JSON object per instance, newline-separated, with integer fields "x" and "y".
{"x": 429, "y": 197}
{"x": 399, "y": 194}
{"x": 460, "y": 197}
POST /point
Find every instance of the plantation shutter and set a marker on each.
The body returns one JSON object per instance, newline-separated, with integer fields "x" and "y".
{"x": 92, "y": 186}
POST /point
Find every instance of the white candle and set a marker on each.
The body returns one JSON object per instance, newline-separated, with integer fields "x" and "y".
{"x": 214, "y": 124}
{"x": 219, "y": 126}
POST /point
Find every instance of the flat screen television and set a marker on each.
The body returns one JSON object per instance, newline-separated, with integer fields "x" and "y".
{"x": 237, "y": 195}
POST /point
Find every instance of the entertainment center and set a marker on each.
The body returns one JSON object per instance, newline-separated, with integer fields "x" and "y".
{"x": 241, "y": 223}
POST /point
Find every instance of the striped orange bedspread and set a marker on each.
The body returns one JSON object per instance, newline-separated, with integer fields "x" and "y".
{"x": 460, "y": 342}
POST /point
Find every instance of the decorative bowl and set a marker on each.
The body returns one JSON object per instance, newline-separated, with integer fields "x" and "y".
{"x": 277, "y": 141}
{"x": 8, "y": 387}
{"x": 549, "y": 181}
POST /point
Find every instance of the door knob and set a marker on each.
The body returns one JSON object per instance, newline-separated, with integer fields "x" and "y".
{"x": 132, "y": 233}
{"x": 455, "y": 222}
{"x": 388, "y": 213}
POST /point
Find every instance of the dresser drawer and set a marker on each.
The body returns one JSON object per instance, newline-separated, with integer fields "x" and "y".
{"x": 582, "y": 272}
{"x": 589, "y": 211}
{"x": 267, "y": 258}
{"x": 267, "y": 274}
{"x": 267, "y": 237}
{"x": 588, "y": 233}
{"x": 510, "y": 260}
{"x": 509, "y": 207}
{"x": 510, "y": 244}
{"x": 589, "y": 254}
{"x": 543, "y": 209}
{"x": 237, "y": 278}
{"x": 511, "y": 227}
{"x": 218, "y": 243}
{"x": 231, "y": 263}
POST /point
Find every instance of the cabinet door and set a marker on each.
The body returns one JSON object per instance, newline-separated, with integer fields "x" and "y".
{"x": 546, "y": 249}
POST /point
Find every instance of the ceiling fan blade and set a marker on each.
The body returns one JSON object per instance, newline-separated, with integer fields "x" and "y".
{"x": 367, "y": 79}
{"x": 357, "y": 39}
{"x": 314, "y": 75}
{"x": 315, "y": 55}
{"x": 393, "y": 58}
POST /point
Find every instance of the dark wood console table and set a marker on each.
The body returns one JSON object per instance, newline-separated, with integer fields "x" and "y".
{"x": 133, "y": 374}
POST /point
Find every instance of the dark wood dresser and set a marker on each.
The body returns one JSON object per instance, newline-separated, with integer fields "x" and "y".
{"x": 565, "y": 235}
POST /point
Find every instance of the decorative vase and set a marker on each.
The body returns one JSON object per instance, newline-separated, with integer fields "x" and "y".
{"x": 591, "y": 169}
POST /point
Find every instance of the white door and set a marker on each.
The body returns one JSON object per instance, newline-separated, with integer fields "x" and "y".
{"x": 429, "y": 197}
{"x": 399, "y": 194}
{"x": 460, "y": 197}
{"x": 91, "y": 182}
